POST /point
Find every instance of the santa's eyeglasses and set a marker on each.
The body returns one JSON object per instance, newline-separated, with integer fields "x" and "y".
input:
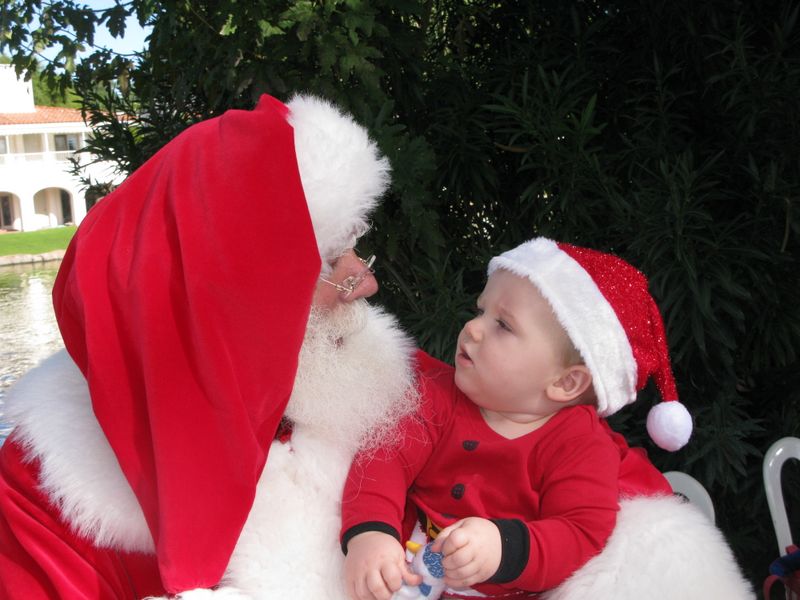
{"x": 349, "y": 284}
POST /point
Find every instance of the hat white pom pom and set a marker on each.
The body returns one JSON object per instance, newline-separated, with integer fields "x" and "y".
{"x": 669, "y": 425}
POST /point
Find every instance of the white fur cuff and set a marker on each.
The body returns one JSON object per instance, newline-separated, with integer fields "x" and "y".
{"x": 221, "y": 593}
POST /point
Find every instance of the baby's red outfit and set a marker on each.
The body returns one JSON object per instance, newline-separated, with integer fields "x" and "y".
{"x": 553, "y": 493}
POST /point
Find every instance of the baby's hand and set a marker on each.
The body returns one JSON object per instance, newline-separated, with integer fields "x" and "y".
{"x": 375, "y": 567}
{"x": 472, "y": 551}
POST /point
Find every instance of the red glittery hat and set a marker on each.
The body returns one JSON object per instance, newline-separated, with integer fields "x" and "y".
{"x": 605, "y": 307}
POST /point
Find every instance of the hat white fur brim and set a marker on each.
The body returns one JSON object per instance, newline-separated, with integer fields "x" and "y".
{"x": 342, "y": 171}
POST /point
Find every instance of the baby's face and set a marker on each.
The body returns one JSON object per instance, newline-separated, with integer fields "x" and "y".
{"x": 512, "y": 350}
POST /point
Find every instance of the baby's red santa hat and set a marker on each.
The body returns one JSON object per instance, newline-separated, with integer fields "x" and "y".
{"x": 605, "y": 307}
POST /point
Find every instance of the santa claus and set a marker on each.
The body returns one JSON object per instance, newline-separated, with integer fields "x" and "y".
{"x": 222, "y": 367}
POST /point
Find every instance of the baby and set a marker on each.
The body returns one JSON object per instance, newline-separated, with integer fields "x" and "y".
{"x": 510, "y": 467}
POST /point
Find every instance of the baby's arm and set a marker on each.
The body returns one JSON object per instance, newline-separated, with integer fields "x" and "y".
{"x": 472, "y": 550}
{"x": 375, "y": 566}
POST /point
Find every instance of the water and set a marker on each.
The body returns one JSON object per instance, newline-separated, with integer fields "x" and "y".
{"x": 28, "y": 330}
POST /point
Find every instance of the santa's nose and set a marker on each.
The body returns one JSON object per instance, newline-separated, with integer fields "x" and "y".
{"x": 367, "y": 285}
{"x": 350, "y": 278}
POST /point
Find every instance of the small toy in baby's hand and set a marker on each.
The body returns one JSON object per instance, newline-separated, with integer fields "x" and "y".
{"x": 428, "y": 564}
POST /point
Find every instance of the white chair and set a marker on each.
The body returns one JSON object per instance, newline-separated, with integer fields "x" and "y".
{"x": 687, "y": 486}
{"x": 774, "y": 459}
{"x": 776, "y": 456}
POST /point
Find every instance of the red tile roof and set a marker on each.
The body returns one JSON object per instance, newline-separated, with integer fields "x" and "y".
{"x": 43, "y": 114}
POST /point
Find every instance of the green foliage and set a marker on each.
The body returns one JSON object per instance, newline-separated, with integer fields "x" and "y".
{"x": 666, "y": 132}
{"x": 45, "y": 96}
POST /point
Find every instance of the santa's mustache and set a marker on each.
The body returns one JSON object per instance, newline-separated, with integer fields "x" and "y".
{"x": 333, "y": 327}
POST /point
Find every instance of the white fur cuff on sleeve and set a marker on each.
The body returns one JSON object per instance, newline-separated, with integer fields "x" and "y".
{"x": 221, "y": 593}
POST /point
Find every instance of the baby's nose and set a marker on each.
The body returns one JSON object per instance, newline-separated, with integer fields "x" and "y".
{"x": 473, "y": 329}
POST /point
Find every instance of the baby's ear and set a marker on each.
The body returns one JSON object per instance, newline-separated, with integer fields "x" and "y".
{"x": 574, "y": 381}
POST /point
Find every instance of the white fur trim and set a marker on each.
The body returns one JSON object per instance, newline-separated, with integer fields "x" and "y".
{"x": 661, "y": 549}
{"x": 220, "y": 593}
{"x": 51, "y": 407}
{"x": 342, "y": 172}
{"x": 585, "y": 314}
{"x": 669, "y": 425}
{"x": 289, "y": 547}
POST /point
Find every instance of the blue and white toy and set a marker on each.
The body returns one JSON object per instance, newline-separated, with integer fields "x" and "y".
{"x": 428, "y": 564}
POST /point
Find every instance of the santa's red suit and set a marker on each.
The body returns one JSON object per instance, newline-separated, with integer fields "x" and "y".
{"x": 183, "y": 301}
{"x": 144, "y": 459}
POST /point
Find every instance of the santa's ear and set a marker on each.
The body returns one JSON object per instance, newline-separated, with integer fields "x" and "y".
{"x": 574, "y": 380}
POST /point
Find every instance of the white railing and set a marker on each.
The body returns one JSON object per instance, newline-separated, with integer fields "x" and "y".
{"x": 13, "y": 158}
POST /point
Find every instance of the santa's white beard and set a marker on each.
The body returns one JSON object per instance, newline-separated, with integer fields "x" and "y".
{"x": 354, "y": 378}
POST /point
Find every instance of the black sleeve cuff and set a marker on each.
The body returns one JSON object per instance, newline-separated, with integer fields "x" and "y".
{"x": 368, "y": 526}
{"x": 516, "y": 550}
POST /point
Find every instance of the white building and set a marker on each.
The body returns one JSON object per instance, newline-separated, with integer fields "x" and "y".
{"x": 36, "y": 189}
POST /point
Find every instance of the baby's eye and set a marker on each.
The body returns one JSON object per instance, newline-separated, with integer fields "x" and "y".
{"x": 503, "y": 325}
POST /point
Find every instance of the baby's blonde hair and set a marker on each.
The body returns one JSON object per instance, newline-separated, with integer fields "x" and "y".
{"x": 569, "y": 353}
{"x": 570, "y": 356}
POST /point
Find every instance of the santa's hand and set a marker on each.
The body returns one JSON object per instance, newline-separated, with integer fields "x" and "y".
{"x": 472, "y": 549}
{"x": 375, "y": 567}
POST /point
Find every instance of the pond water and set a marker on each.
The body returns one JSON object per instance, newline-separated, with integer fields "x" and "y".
{"x": 28, "y": 330}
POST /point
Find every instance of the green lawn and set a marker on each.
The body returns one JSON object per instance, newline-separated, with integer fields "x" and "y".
{"x": 35, "y": 242}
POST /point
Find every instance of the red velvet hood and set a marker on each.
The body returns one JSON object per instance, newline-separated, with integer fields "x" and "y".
{"x": 183, "y": 299}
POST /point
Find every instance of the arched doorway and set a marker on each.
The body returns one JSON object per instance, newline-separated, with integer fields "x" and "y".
{"x": 66, "y": 208}
{"x": 52, "y": 207}
{"x": 10, "y": 217}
